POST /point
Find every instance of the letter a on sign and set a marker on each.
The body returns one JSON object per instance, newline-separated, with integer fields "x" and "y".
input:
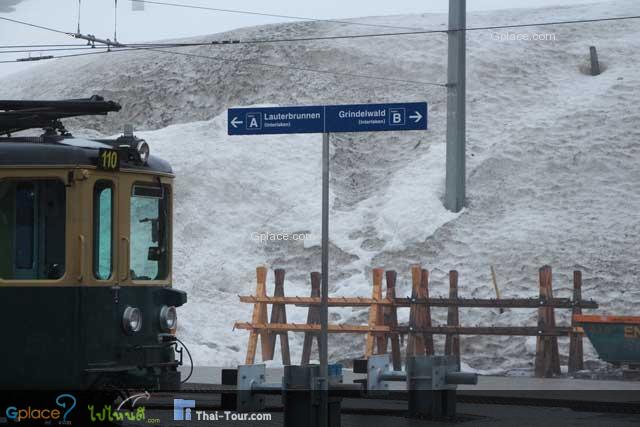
{"x": 254, "y": 121}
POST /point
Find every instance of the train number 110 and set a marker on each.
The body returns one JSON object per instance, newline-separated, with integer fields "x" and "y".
{"x": 108, "y": 160}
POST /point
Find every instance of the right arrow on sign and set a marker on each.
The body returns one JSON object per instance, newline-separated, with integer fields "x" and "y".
{"x": 417, "y": 117}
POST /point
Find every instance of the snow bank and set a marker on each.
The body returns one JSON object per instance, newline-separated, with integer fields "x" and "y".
{"x": 230, "y": 188}
{"x": 552, "y": 169}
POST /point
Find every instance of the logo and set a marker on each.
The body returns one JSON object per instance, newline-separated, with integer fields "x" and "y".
{"x": 182, "y": 409}
{"x": 65, "y": 401}
{"x": 108, "y": 413}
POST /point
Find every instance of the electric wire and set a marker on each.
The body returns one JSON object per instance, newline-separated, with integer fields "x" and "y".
{"x": 391, "y": 34}
{"x": 353, "y": 36}
{"x": 48, "y": 50}
{"x": 295, "y": 68}
{"x": 155, "y": 46}
{"x": 65, "y": 56}
{"x": 246, "y": 62}
{"x": 190, "y": 358}
{"x": 28, "y": 46}
{"x": 271, "y": 15}
{"x": 28, "y": 24}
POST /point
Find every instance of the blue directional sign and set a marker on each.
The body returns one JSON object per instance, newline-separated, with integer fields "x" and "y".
{"x": 376, "y": 117}
{"x": 326, "y": 119}
{"x": 276, "y": 120}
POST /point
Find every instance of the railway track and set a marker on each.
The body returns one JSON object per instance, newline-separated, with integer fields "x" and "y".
{"x": 479, "y": 398}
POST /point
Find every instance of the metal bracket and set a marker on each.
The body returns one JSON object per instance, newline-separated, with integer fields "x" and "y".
{"x": 248, "y": 377}
{"x": 377, "y": 366}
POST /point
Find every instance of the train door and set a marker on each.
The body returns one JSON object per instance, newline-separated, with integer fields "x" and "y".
{"x": 100, "y": 288}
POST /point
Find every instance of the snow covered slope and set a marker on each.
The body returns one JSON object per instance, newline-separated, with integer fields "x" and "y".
{"x": 552, "y": 168}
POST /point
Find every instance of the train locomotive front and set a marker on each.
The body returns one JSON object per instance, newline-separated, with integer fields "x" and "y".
{"x": 85, "y": 257}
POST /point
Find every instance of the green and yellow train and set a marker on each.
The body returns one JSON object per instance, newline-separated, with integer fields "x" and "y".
{"x": 85, "y": 256}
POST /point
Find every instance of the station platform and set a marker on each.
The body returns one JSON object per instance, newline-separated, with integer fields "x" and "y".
{"x": 212, "y": 375}
{"x": 495, "y": 401}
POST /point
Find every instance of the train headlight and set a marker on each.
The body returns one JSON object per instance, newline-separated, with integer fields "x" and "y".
{"x": 168, "y": 318}
{"x": 143, "y": 151}
{"x": 132, "y": 320}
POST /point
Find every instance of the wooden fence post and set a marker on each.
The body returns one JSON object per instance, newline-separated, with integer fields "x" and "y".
{"x": 415, "y": 342}
{"x": 279, "y": 315}
{"x": 259, "y": 316}
{"x": 425, "y": 318}
{"x": 555, "y": 355}
{"x": 547, "y": 358}
{"x": 376, "y": 317}
{"x": 452, "y": 342}
{"x": 391, "y": 319}
{"x": 313, "y": 318}
{"x": 576, "y": 355}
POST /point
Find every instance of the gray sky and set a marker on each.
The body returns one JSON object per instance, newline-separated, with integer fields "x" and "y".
{"x": 158, "y": 22}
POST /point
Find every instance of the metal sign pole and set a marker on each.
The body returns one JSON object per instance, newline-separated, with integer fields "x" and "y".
{"x": 326, "y": 120}
{"x": 456, "y": 92}
{"x": 324, "y": 306}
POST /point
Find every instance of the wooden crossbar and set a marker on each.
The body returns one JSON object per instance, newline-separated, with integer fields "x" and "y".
{"x": 383, "y": 327}
{"x": 432, "y": 302}
{"x": 438, "y": 330}
{"x": 303, "y": 327}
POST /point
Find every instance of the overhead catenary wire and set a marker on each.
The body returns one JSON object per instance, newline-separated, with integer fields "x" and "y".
{"x": 28, "y": 46}
{"x": 48, "y": 49}
{"x": 270, "y": 15}
{"x": 350, "y": 36}
{"x": 296, "y": 68}
{"x": 41, "y": 27}
{"x": 391, "y": 34}
{"x": 248, "y": 62}
{"x": 66, "y": 56}
{"x": 251, "y": 62}
{"x": 155, "y": 46}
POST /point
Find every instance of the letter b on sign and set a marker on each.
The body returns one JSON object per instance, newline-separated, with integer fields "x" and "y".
{"x": 397, "y": 116}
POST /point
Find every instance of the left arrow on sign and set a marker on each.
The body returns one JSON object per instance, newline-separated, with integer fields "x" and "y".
{"x": 417, "y": 117}
{"x": 235, "y": 122}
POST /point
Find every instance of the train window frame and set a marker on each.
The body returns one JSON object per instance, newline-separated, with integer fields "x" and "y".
{"x": 99, "y": 186}
{"x": 41, "y": 232}
{"x": 162, "y": 192}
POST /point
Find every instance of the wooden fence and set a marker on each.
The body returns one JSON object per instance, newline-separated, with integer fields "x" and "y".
{"x": 383, "y": 327}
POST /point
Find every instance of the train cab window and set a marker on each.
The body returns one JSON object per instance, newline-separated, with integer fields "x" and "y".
{"x": 149, "y": 231}
{"x": 103, "y": 230}
{"x": 32, "y": 229}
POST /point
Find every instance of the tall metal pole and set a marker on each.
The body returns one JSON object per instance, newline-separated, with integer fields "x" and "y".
{"x": 324, "y": 295}
{"x": 456, "y": 114}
